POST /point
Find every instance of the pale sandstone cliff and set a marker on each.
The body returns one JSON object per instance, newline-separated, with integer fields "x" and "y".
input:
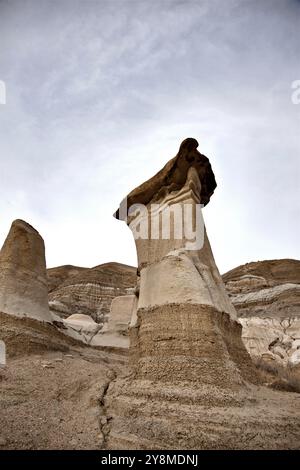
{"x": 266, "y": 295}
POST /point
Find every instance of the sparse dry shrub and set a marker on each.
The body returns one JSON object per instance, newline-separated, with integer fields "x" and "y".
{"x": 278, "y": 376}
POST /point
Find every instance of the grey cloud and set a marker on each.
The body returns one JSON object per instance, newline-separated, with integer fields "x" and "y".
{"x": 100, "y": 94}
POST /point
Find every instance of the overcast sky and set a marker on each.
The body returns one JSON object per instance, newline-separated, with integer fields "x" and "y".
{"x": 101, "y": 93}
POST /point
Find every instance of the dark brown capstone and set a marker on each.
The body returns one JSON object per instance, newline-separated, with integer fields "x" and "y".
{"x": 172, "y": 177}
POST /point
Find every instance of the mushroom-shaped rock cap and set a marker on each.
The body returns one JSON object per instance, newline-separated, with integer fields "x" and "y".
{"x": 173, "y": 176}
{"x": 189, "y": 144}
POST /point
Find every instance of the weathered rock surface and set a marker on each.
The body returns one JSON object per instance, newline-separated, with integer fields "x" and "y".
{"x": 49, "y": 376}
{"x": 172, "y": 177}
{"x": 27, "y": 336}
{"x": 89, "y": 291}
{"x": 176, "y": 272}
{"x": 2, "y": 353}
{"x": 23, "y": 281}
{"x": 115, "y": 333}
{"x": 193, "y": 385}
{"x": 81, "y": 327}
{"x": 266, "y": 295}
{"x": 269, "y": 273}
{"x": 56, "y": 276}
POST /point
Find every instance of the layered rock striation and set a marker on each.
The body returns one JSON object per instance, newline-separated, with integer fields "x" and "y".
{"x": 89, "y": 291}
{"x": 266, "y": 295}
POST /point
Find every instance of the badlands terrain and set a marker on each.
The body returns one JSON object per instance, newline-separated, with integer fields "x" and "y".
{"x": 169, "y": 355}
{"x": 53, "y": 387}
{"x": 266, "y": 295}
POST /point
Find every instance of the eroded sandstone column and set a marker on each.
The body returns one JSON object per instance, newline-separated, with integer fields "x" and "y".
{"x": 190, "y": 370}
{"x": 186, "y": 327}
{"x": 23, "y": 281}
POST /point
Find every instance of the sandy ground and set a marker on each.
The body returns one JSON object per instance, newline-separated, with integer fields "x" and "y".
{"x": 51, "y": 389}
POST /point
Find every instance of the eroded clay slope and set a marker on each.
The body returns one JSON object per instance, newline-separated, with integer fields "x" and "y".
{"x": 89, "y": 291}
{"x": 266, "y": 295}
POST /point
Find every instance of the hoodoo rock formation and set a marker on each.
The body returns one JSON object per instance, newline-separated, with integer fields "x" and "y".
{"x": 192, "y": 383}
{"x": 188, "y": 381}
{"x": 181, "y": 293}
{"x": 23, "y": 281}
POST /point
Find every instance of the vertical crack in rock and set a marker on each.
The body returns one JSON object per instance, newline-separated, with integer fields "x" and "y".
{"x": 104, "y": 415}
